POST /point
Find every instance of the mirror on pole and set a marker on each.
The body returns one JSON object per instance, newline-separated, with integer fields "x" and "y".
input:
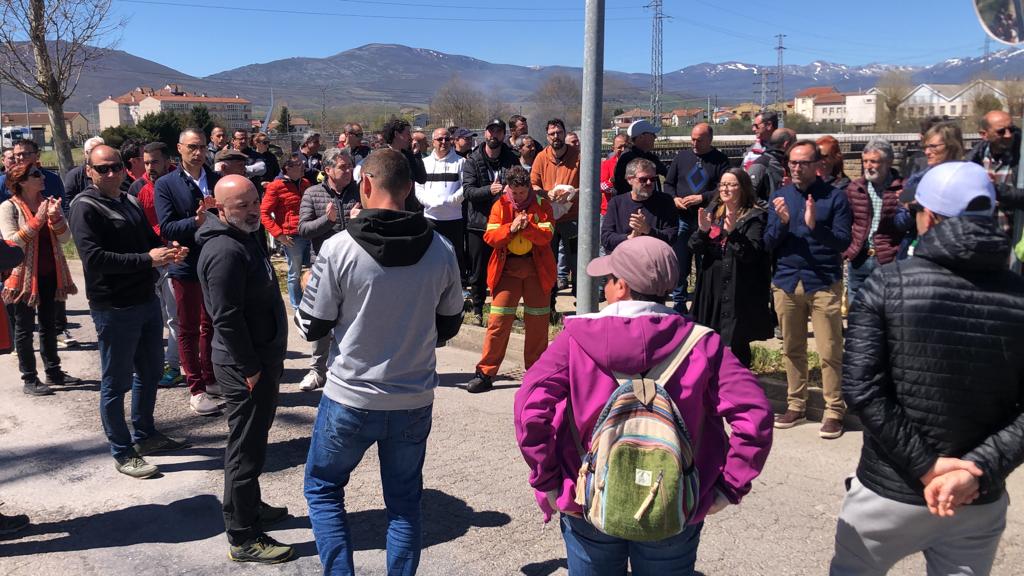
{"x": 1003, "y": 20}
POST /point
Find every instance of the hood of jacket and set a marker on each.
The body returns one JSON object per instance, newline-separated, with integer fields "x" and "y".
{"x": 392, "y": 237}
{"x": 966, "y": 243}
{"x": 657, "y": 328}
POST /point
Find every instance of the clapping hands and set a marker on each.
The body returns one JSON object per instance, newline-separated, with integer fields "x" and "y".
{"x": 520, "y": 222}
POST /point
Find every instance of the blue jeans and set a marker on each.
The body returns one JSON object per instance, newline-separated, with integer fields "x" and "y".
{"x": 857, "y": 275}
{"x": 296, "y": 254}
{"x": 682, "y": 249}
{"x": 130, "y": 342}
{"x": 341, "y": 435}
{"x": 593, "y": 553}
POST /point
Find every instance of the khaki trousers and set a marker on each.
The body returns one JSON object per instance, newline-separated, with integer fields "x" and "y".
{"x": 823, "y": 307}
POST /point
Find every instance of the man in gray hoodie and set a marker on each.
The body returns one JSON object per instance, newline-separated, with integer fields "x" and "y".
{"x": 389, "y": 288}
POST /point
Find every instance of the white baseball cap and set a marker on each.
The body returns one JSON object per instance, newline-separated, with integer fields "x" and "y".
{"x": 641, "y": 127}
{"x": 949, "y": 188}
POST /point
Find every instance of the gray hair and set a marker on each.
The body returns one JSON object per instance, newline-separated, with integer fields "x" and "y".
{"x": 310, "y": 137}
{"x": 880, "y": 145}
{"x": 92, "y": 143}
{"x": 637, "y": 164}
{"x": 332, "y": 156}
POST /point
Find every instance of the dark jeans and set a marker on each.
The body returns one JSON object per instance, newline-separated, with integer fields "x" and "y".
{"x": 479, "y": 254}
{"x": 131, "y": 349}
{"x": 454, "y": 232}
{"x": 593, "y": 553}
{"x": 857, "y": 275}
{"x": 566, "y": 233}
{"x": 250, "y": 415}
{"x": 61, "y": 316}
{"x": 24, "y": 327}
{"x": 682, "y": 249}
{"x": 195, "y": 335}
{"x": 341, "y": 435}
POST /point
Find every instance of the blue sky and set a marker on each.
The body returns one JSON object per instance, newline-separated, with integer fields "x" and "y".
{"x": 201, "y": 37}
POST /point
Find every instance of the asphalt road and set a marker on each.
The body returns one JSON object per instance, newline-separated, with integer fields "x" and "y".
{"x": 480, "y": 516}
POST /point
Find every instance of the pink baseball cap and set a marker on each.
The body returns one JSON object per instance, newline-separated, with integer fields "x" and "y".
{"x": 647, "y": 264}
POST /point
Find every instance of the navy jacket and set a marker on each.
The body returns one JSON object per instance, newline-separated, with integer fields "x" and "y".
{"x": 812, "y": 256}
{"x": 659, "y": 210}
{"x": 176, "y": 198}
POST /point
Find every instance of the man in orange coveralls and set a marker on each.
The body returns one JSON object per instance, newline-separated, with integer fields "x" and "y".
{"x": 521, "y": 267}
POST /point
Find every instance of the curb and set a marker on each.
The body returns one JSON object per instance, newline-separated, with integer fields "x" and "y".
{"x": 470, "y": 338}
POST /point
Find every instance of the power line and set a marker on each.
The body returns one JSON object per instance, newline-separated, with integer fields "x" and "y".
{"x": 781, "y": 93}
{"x": 463, "y": 7}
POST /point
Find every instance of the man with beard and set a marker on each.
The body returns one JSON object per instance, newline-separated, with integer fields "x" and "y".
{"x": 764, "y": 125}
{"x": 249, "y": 341}
{"x": 999, "y": 153}
{"x": 218, "y": 141}
{"x": 254, "y": 165}
{"x": 556, "y": 174}
{"x": 354, "y": 138}
{"x": 874, "y": 202}
{"x": 326, "y": 210}
{"x": 642, "y": 212}
{"x": 517, "y": 127}
{"x": 483, "y": 179}
{"x": 526, "y": 147}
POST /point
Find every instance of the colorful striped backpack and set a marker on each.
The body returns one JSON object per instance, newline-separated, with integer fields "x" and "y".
{"x": 638, "y": 481}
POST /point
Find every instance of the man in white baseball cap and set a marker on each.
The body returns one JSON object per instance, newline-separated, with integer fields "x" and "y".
{"x": 932, "y": 367}
{"x": 642, "y": 134}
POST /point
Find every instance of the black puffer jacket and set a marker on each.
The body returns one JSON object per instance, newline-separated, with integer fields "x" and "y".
{"x": 934, "y": 362}
{"x": 477, "y": 177}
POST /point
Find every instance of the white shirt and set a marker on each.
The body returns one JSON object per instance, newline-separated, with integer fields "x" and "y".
{"x": 442, "y": 193}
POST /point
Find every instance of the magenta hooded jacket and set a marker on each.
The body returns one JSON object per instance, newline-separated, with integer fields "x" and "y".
{"x": 710, "y": 388}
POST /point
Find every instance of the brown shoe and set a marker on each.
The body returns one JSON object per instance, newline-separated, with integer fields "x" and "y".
{"x": 831, "y": 428}
{"x": 789, "y": 419}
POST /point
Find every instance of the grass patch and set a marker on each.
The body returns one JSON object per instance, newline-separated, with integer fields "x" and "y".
{"x": 517, "y": 325}
{"x": 48, "y": 158}
{"x": 767, "y": 362}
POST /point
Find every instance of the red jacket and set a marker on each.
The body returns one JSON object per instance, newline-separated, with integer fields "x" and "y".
{"x": 607, "y": 184}
{"x": 279, "y": 210}
{"x": 146, "y": 200}
{"x": 539, "y": 232}
{"x": 887, "y": 237}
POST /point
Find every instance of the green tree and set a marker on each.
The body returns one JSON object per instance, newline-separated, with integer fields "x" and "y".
{"x": 284, "y": 121}
{"x": 164, "y": 126}
{"x": 114, "y": 136}
{"x": 199, "y": 117}
{"x": 986, "y": 102}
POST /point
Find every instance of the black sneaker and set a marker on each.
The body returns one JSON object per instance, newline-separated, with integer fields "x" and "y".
{"x": 157, "y": 443}
{"x": 479, "y": 383}
{"x": 66, "y": 340}
{"x": 263, "y": 550}
{"x": 272, "y": 514}
{"x": 37, "y": 388}
{"x": 12, "y": 524}
{"x": 62, "y": 379}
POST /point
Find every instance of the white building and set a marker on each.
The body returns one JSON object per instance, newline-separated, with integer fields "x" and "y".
{"x": 127, "y": 109}
{"x": 803, "y": 103}
{"x": 954, "y": 100}
{"x": 829, "y": 109}
{"x": 863, "y": 109}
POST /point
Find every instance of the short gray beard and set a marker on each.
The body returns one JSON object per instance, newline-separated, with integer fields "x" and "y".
{"x": 241, "y": 225}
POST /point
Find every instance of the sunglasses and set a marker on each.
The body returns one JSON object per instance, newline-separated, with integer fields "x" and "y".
{"x": 193, "y": 147}
{"x": 104, "y": 169}
{"x": 35, "y": 174}
{"x": 645, "y": 179}
{"x": 443, "y": 139}
{"x": 356, "y": 134}
{"x": 1005, "y": 131}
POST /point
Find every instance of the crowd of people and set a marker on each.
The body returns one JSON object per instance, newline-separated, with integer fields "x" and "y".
{"x": 182, "y": 241}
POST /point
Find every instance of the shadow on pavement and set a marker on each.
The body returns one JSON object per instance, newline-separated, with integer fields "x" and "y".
{"x": 445, "y": 518}
{"x": 459, "y": 380}
{"x": 188, "y": 520}
{"x": 544, "y": 568}
{"x": 287, "y": 454}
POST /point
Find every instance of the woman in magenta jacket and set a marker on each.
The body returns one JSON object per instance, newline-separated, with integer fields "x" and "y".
{"x": 632, "y": 334}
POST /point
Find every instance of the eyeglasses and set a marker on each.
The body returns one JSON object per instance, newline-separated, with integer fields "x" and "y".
{"x": 193, "y": 147}
{"x": 1004, "y": 131}
{"x": 23, "y": 154}
{"x": 443, "y": 139}
{"x": 104, "y": 169}
{"x": 356, "y": 134}
{"x": 934, "y": 146}
{"x": 645, "y": 179}
{"x": 729, "y": 185}
{"x": 802, "y": 163}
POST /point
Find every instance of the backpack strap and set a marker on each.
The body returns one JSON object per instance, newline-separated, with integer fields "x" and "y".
{"x": 644, "y": 386}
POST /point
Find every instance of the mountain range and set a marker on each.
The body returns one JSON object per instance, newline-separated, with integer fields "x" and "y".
{"x": 399, "y": 74}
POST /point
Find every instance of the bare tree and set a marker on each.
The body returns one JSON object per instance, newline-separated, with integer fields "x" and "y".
{"x": 1014, "y": 91}
{"x": 45, "y": 45}
{"x": 560, "y": 96}
{"x": 458, "y": 104}
{"x": 894, "y": 86}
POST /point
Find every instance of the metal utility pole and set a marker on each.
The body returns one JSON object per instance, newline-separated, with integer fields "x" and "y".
{"x": 590, "y": 160}
{"x": 656, "y": 62}
{"x": 323, "y": 109}
{"x": 780, "y": 96}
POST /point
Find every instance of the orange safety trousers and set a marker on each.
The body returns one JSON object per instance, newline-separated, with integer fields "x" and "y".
{"x": 519, "y": 280}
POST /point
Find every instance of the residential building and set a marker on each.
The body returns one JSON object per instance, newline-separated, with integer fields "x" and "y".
{"x": 622, "y": 121}
{"x": 127, "y": 109}
{"x": 954, "y": 100}
{"x": 803, "y": 103}
{"x": 829, "y": 108}
{"x": 863, "y": 110}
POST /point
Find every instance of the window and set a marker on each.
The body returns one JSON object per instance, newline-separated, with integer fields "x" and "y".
{"x": 942, "y": 110}
{"x": 952, "y": 109}
{"x": 920, "y": 110}
{"x": 931, "y": 110}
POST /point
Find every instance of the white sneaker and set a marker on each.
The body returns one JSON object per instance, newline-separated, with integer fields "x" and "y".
{"x": 214, "y": 389}
{"x": 311, "y": 381}
{"x": 204, "y": 405}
